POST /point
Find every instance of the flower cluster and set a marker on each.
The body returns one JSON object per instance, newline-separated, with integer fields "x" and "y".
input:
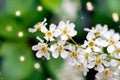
{"x": 100, "y": 51}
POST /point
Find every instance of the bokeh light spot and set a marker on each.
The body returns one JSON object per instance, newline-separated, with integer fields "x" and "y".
{"x": 89, "y": 6}
{"x": 20, "y": 34}
{"x": 22, "y": 58}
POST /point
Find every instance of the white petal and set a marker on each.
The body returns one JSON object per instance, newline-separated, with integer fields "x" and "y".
{"x": 97, "y": 49}
{"x": 64, "y": 54}
{"x": 61, "y": 25}
{"x": 113, "y": 63}
{"x": 111, "y": 32}
{"x": 52, "y": 39}
{"x": 47, "y": 56}
{"x": 87, "y": 29}
{"x": 44, "y": 29}
{"x": 101, "y": 42}
{"x": 43, "y": 22}
{"x": 85, "y": 72}
{"x": 98, "y": 26}
{"x": 103, "y": 56}
{"x": 72, "y": 26}
{"x": 57, "y": 33}
{"x": 106, "y": 63}
{"x": 52, "y": 27}
{"x": 32, "y": 30}
{"x": 55, "y": 54}
{"x": 39, "y": 54}
{"x": 110, "y": 49}
{"x": 53, "y": 47}
{"x": 38, "y": 38}
{"x": 64, "y": 37}
{"x": 116, "y": 37}
{"x": 72, "y": 62}
{"x": 88, "y": 50}
{"x": 99, "y": 68}
{"x": 91, "y": 65}
{"x": 90, "y": 36}
{"x": 99, "y": 76}
{"x": 107, "y": 36}
{"x": 46, "y": 38}
{"x": 73, "y": 33}
{"x": 61, "y": 42}
{"x": 85, "y": 44}
{"x": 118, "y": 44}
{"x": 35, "y": 47}
{"x": 69, "y": 47}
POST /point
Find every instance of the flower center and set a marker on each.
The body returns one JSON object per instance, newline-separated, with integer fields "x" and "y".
{"x": 111, "y": 41}
{"x": 65, "y": 31}
{"x": 117, "y": 50}
{"x": 60, "y": 48}
{"x": 106, "y": 72}
{"x": 91, "y": 44}
{"x": 98, "y": 61}
{"x": 44, "y": 49}
{"x": 97, "y": 33}
{"x": 49, "y": 33}
{"x": 74, "y": 54}
{"x": 38, "y": 28}
{"x": 86, "y": 56}
{"x": 80, "y": 66}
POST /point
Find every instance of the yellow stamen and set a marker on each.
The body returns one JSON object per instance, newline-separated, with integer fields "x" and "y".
{"x": 74, "y": 54}
{"x": 60, "y": 48}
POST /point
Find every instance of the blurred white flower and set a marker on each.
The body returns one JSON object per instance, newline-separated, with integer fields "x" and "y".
{"x": 113, "y": 40}
{"x": 42, "y": 50}
{"x": 100, "y": 61}
{"x": 51, "y": 33}
{"x": 74, "y": 54}
{"x": 69, "y": 72}
{"x": 106, "y": 74}
{"x": 59, "y": 49}
{"x": 98, "y": 30}
{"x": 41, "y": 26}
{"x": 70, "y": 7}
{"x": 67, "y": 30}
{"x": 91, "y": 43}
{"x": 82, "y": 67}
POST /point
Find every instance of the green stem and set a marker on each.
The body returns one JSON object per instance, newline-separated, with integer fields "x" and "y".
{"x": 113, "y": 57}
{"x": 75, "y": 43}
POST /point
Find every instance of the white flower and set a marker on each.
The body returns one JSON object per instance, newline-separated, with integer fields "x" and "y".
{"x": 99, "y": 61}
{"x": 116, "y": 52}
{"x": 115, "y": 63}
{"x": 98, "y": 30}
{"x": 67, "y": 30}
{"x": 87, "y": 56}
{"x": 91, "y": 43}
{"x": 42, "y": 50}
{"x": 59, "y": 49}
{"x": 82, "y": 66}
{"x": 41, "y": 26}
{"x": 74, "y": 54}
{"x": 113, "y": 40}
{"x": 51, "y": 33}
{"x": 106, "y": 74}
{"x": 101, "y": 42}
{"x": 70, "y": 8}
{"x": 112, "y": 37}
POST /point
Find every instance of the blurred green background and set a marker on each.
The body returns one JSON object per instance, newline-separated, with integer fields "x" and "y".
{"x": 18, "y": 61}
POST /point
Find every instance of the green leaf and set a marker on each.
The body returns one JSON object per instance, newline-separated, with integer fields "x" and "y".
{"x": 13, "y": 68}
{"x": 114, "y": 6}
{"x": 10, "y": 30}
{"x": 52, "y": 5}
{"x": 21, "y": 5}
